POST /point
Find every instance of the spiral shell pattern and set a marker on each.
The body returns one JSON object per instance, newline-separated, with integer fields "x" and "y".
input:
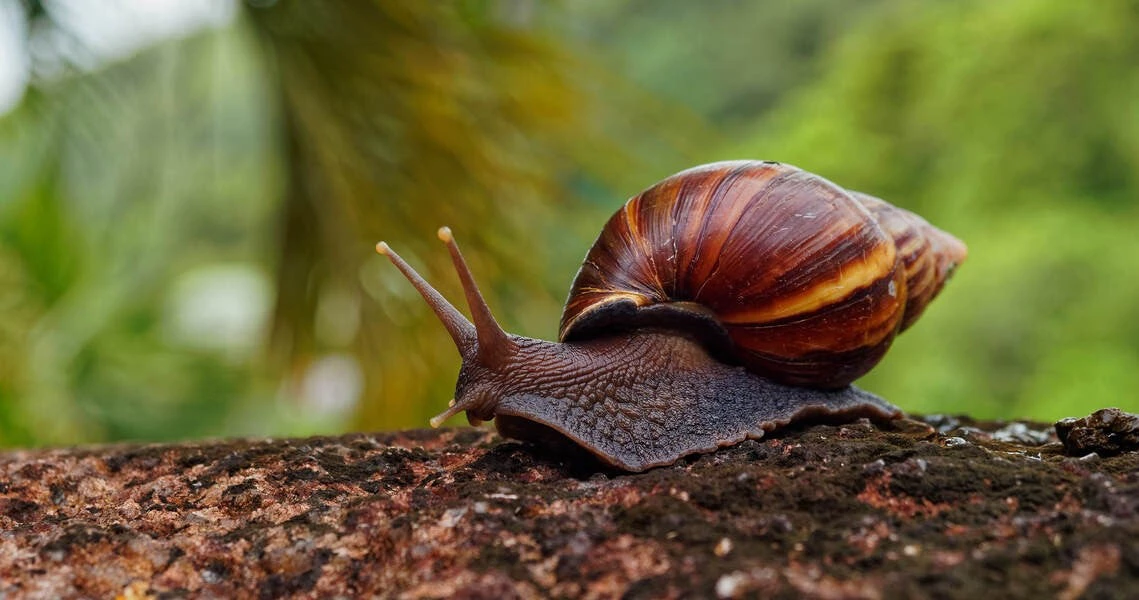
{"x": 809, "y": 283}
{"x": 928, "y": 254}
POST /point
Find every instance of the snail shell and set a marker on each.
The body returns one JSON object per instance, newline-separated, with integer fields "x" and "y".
{"x": 772, "y": 267}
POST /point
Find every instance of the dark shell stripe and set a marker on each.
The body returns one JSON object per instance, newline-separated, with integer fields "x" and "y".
{"x": 802, "y": 291}
{"x": 822, "y": 272}
{"x": 651, "y": 216}
{"x": 648, "y": 236}
{"x": 817, "y": 370}
{"x": 747, "y": 225}
{"x": 796, "y": 266}
{"x": 865, "y": 318}
{"x": 717, "y": 221}
{"x": 724, "y": 260}
{"x": 694, "y": 196}
{"x": 696, "y": 261}
{"x": 619, "y": 262}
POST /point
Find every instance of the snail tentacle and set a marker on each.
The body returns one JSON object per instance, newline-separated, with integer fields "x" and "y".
{"x": 461, "y": 330}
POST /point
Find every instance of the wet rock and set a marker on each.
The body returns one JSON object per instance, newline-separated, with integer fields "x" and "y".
{"x": 1105, "y": 432}
{"x": 1021, "y": 433}
{"x": 950, "y": 509}
{"x": 955, "y": 442}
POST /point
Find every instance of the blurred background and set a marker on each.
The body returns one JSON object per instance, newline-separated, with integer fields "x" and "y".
{"x": 190, "y": 190}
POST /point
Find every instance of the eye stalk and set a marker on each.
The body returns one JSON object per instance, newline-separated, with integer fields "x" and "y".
{"x": 494, "y": 344}
{"x": 461, "y": 330}
{"x": 482, "y": 342}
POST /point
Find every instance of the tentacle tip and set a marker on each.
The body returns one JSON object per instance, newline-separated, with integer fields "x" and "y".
{"x": 451, "y": 411}
{"x": 445, "y": 235}
{"x": 383, "y": 248}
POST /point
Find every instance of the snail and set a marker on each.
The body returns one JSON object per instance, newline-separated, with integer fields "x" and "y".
{"x": 721, "y": 303}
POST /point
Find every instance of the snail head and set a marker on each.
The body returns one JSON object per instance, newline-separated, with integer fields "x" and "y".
{"x": 487, "y": 350}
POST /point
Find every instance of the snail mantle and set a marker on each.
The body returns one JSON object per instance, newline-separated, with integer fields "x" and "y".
{"x": 942, "y": 507}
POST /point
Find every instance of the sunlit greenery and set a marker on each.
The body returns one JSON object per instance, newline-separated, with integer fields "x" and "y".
{"x": 1014, "y": 125}
{"x": 186, "y": 233}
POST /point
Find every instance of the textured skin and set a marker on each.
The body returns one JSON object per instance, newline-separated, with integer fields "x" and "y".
{"x": 644, "y": 399}
{"x": 807, "y": 285}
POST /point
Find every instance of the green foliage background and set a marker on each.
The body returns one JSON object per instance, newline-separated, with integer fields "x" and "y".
{"x": 186, "y": 234}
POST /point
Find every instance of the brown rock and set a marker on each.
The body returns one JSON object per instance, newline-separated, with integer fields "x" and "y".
{"x": 943, "y": 508}
{"x": 1106, "y": 432}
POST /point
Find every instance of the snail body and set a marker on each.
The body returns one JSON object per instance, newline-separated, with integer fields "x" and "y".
{"x": 721, "y": 303}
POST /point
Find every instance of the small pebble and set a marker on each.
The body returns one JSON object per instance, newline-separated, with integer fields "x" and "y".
{"x": 739, "y": 583}
{"x": 723, "y": 547}
{"x": 678, "y": 494}
{"x": 968, "y": 431}
{"x": 914, "y": 467}
{"x": 1022, "y": 434}
{"x": 955, "y": 442}
{"x": 943, "y": 423}
{"x": 452, "y": 517}
{"x": 729, "y": 586}
{"x": 875, "y": 467}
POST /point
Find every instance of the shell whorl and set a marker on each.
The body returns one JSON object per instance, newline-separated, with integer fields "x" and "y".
{"x": 806, "y": 282}
{"x": 928, "y": 254}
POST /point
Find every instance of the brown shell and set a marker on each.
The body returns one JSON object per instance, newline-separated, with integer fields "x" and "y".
{"x": 792, "y": 275}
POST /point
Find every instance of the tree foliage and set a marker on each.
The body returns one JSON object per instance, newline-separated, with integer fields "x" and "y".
{"x": 1014, "y": 125}
{"x": 401, "y": 117}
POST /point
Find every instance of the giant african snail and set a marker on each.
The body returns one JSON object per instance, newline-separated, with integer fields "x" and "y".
{"x": 723, "y": 302}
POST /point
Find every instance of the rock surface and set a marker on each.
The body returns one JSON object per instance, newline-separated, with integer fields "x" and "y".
{"x": 945, "y": 508}
{"x": 1107, "y": 431}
